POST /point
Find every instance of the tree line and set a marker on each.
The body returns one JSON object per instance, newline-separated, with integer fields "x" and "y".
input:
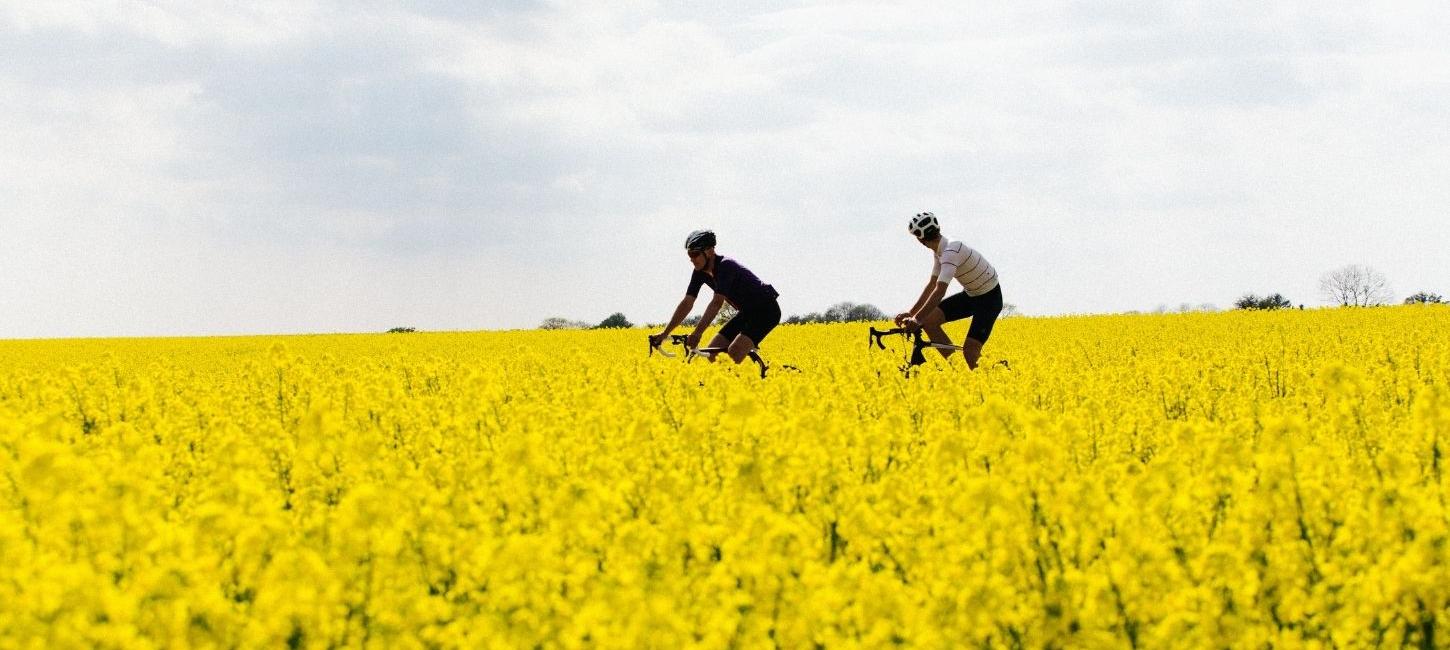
{"x": 841, "y": 312}
{"x": 844, "y": 312}
{"x": 1348, "y": 286}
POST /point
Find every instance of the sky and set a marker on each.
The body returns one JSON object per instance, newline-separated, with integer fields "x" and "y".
{"x": 200, "y": 168}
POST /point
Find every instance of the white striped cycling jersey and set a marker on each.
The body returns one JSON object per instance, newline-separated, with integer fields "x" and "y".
{"x": 954, "y": 259}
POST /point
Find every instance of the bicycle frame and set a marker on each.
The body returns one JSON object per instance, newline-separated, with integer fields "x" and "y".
{"x": 917, "y": 340}
{"x": 918, "y": 343}
{"x": 691, "y": 353}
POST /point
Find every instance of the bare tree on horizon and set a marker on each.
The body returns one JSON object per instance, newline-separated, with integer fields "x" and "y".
{"x": 1355, "y": 286}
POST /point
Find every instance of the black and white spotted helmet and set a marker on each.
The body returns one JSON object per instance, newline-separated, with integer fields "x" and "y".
{"x": 924, "y": 226}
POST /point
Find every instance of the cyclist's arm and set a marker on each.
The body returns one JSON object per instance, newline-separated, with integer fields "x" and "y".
{"x": 931, "y": 298}
{"x": 681, "y": 312}
{"x": 936, "y": 287}
{"x": 919, "y": 306}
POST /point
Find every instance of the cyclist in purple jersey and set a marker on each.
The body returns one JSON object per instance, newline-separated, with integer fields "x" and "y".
{"x": 758, "y": 311}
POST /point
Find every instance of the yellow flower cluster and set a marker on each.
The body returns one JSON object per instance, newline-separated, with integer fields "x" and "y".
{"x": 1271, "y": 479}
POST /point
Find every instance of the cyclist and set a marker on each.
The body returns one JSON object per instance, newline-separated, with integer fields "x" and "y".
{"x": 757, "y": 310}
{"x": 980, "y": 300}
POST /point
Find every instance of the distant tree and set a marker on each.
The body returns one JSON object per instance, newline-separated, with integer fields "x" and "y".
{"x": 1355, "y": 286}
{"x": 1208, "y": 307}
{"x": 1271, "y": 301}
{"x": 837, "y": 313}
{"x": 841, "y": 312}
{"x": 864, "y": 313}
{"x": 813, "y": 317}
{"x": 402, "y": 330}
{"x": 1275, "y": 301}
{"x": 557, "y": 323}
{"x": 1008, "y": 309}
{"x": 725, "y": 314}
{"x": 1423, "y": 298}
{"x": 850, "y": 312}
{"x": 615, "y": 321}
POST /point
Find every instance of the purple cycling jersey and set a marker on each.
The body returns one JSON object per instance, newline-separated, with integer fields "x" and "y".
{"x": 735, "y": 282}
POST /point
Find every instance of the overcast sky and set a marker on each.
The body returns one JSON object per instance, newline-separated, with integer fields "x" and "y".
{"x": 291, "y": 166}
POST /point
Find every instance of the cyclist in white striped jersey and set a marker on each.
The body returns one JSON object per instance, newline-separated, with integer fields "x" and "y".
{"x": 981, "y": 298}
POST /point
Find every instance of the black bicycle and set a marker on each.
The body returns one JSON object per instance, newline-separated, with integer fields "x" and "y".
{"x": 914, "y": 357}
{"x": 691, "y": 353}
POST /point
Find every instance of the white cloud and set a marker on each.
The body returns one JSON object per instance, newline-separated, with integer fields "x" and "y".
{"x": 174, "y": 23}
{"x": 204, "y": 167}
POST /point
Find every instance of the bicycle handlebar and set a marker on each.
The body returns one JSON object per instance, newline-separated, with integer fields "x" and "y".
{"x": 875, "y": 335}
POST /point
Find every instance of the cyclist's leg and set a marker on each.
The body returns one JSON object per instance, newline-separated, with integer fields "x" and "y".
{"x": 952, "y": 309}
{"x": 971, "y": 351}
{"x": 725, "y": 336}
{"x": 757, "y": 324}
{"x": 716, "y": 343}
{"x": 985, "y": 310}
{"x": 741, "y": 347}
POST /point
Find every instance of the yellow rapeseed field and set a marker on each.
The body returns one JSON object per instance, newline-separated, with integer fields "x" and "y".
{"x": 1268, "y": 479}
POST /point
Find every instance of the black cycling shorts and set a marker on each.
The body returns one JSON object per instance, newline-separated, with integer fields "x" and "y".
{"x": 755, "y": 322}
{"x": 982, "y": 309}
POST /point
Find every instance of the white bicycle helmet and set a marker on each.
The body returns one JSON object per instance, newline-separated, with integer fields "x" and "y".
{"x": 924, "y": 226}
